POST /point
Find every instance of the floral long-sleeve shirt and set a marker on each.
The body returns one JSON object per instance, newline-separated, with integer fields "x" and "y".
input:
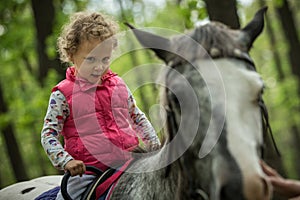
{"x": 58, "y": 111}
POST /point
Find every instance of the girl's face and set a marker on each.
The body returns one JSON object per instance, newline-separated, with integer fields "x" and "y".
{"x": 92, "y": 60}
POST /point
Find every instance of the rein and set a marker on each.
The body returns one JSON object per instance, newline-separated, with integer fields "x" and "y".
{"x": 266, "y": 124}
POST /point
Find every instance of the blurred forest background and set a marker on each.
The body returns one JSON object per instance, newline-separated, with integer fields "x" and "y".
{"x": 30, "y": 67}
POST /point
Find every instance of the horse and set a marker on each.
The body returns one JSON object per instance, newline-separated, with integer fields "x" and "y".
{"x": 215, "y": 119}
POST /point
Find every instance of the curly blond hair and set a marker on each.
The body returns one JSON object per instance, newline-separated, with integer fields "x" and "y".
{"x": 84, "y": 26}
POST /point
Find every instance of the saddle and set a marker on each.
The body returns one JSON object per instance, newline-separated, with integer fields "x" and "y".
{"x": 90, "y": 192}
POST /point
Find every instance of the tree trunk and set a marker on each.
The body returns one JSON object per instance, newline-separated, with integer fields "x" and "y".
{"x": 12, "y": 146}
{"x": 224, "y": 11}
{"x": 289, "y": 29}
{"x": 286, "y": 18}
{"x": 44, "y": 15}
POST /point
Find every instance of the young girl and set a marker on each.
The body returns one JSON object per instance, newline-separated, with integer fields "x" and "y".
{"x": 92, "y": 108}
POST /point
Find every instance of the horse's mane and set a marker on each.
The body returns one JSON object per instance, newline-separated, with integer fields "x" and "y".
{"x": 212, "y": 40}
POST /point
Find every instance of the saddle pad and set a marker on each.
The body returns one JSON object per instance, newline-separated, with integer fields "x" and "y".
{"x": 49, "y": 195}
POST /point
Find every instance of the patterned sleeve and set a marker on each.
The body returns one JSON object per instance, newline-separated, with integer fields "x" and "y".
{"x": 58, "y": 110}
{"x": 142, "y": 125}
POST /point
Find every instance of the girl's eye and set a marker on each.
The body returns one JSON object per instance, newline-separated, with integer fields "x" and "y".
{"x": 90, "y": 59}
{"x": 106, "y": 60}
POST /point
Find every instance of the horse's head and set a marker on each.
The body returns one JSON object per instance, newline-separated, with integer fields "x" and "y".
{"x": 212, "y": 95}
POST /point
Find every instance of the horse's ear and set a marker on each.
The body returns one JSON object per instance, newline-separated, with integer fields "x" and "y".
{"x": 255, "y": 26}
{"x": 160, "y": 45}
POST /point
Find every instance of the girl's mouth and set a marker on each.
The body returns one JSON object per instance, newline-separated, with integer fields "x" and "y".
{"x": 96, "y": 75}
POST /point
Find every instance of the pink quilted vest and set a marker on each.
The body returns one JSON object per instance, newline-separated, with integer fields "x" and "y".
{"x": 98, "y": 130}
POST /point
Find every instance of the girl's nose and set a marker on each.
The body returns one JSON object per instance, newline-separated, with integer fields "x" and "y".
{"x": 98, "y": 67}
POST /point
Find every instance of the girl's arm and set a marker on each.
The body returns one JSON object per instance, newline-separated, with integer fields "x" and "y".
{"x": 142, "y": 125}
{"x": 58, "y": 111}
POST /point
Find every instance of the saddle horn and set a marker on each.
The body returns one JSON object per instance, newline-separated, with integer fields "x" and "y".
{"x": 255, "y": 26}
{"x": 160, "y": 45}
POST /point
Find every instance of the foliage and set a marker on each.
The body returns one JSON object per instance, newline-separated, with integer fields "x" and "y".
{"x": 27, "y": 100}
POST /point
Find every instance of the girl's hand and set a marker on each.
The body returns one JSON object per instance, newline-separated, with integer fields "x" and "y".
{"x": 75, "y": 167}
{"x": 153, "y": 146}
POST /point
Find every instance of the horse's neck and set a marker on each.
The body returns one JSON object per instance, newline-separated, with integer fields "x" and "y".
{"x": 168, "y": 180}
{"x": 171, "y": 174}
{"x": 175, "y": 174}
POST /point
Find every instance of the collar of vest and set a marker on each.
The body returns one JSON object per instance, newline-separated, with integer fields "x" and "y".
{"x": 83, "y": 84}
